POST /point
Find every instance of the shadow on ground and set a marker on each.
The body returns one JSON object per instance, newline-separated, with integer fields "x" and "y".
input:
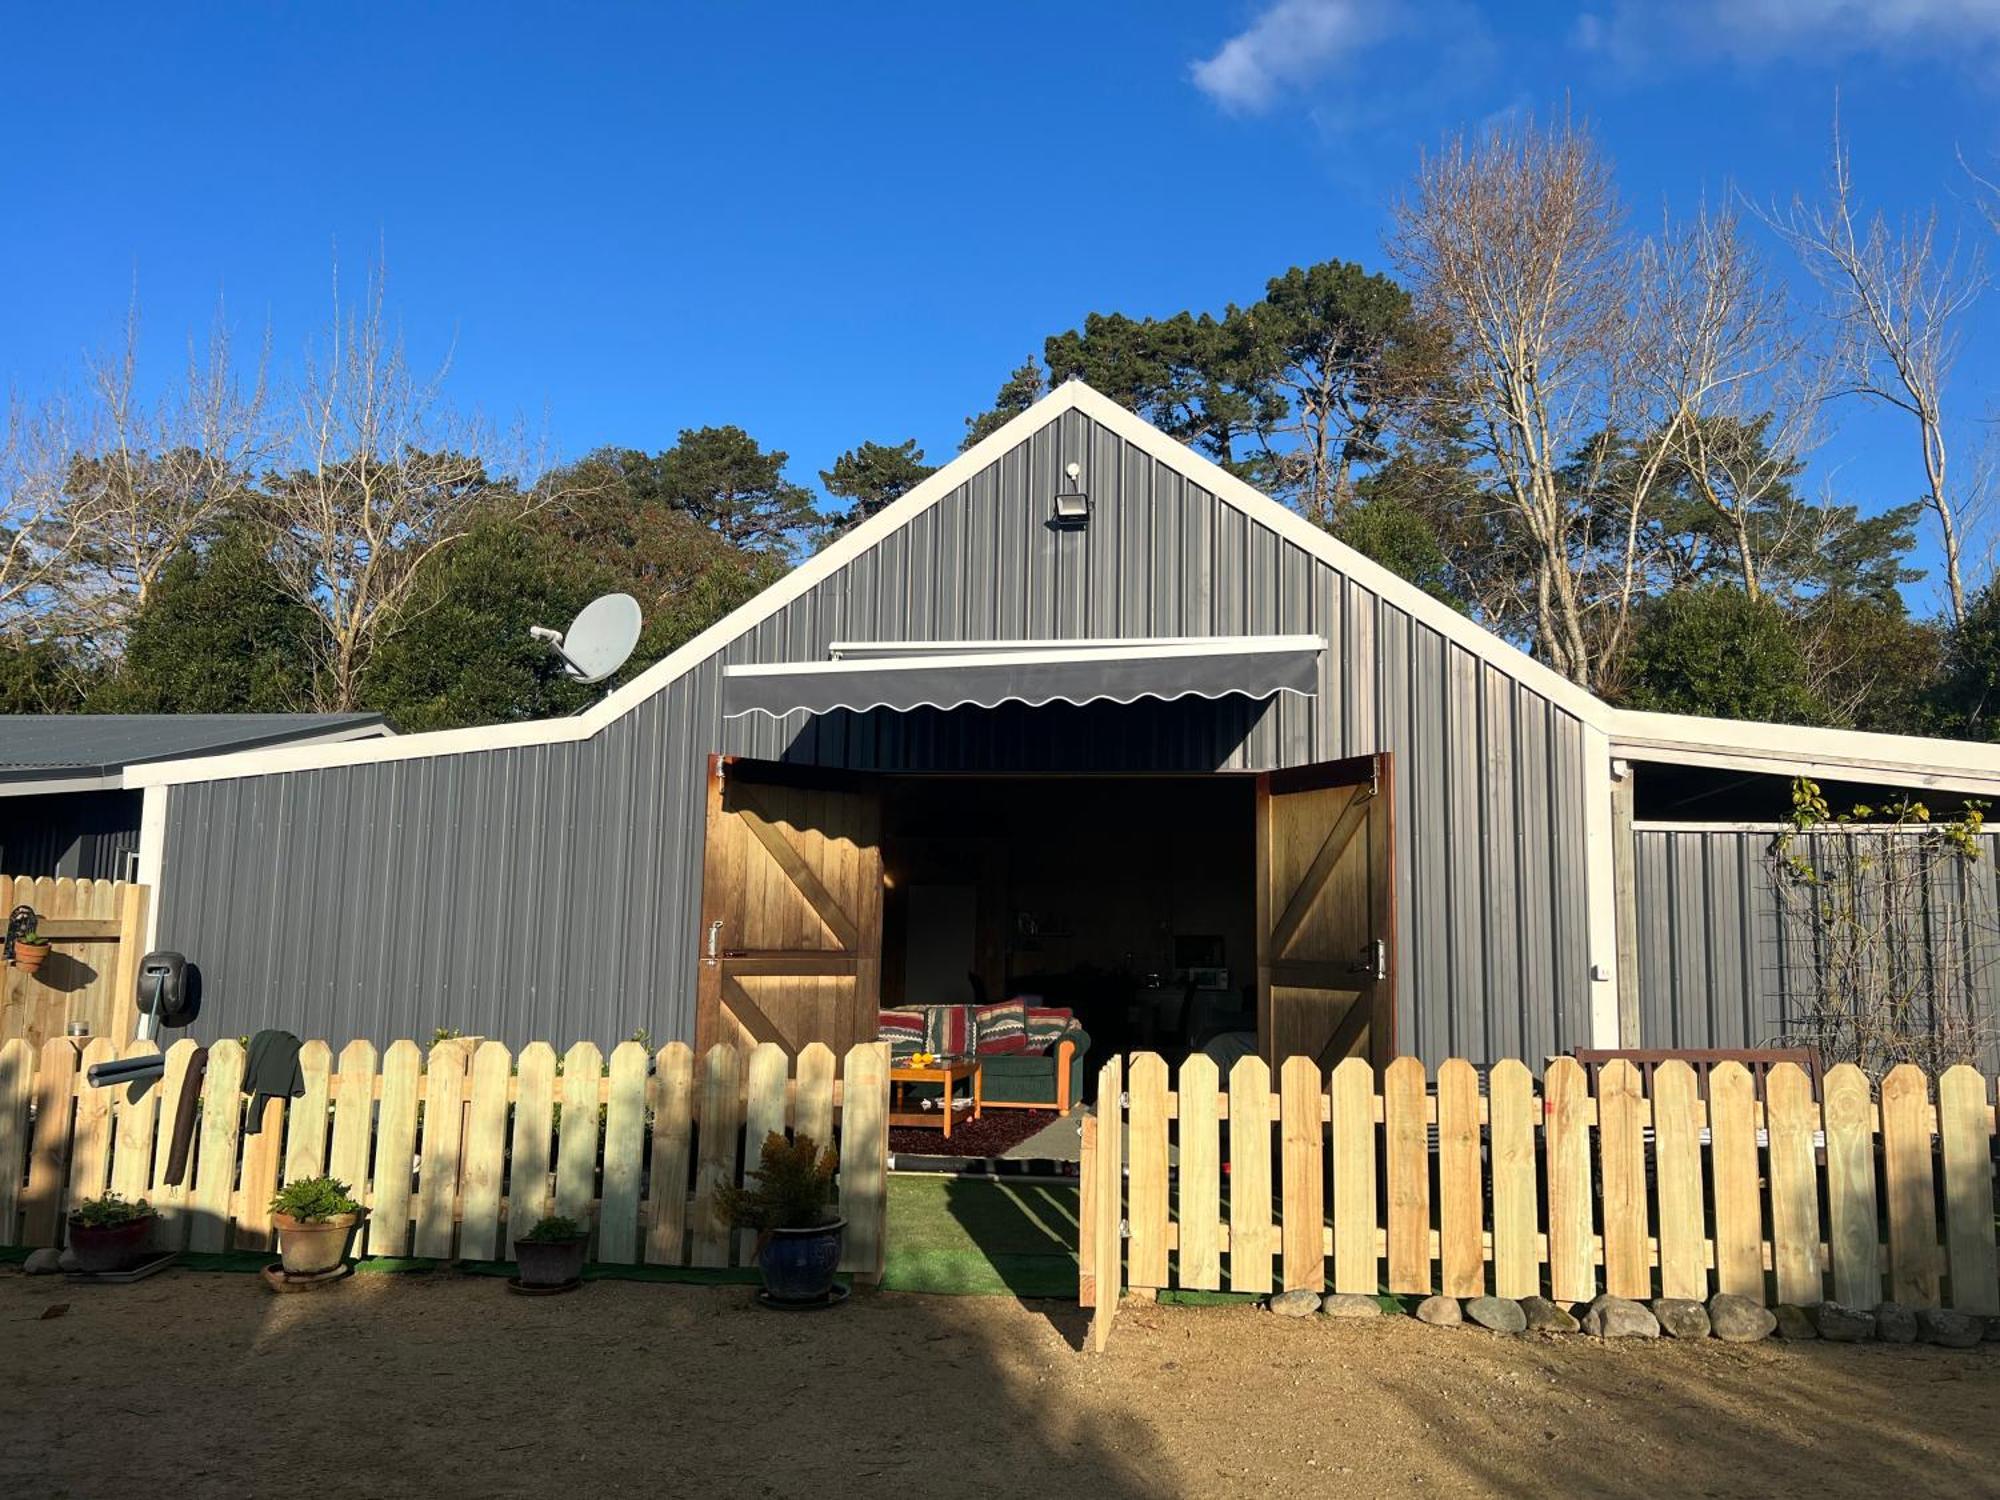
{"x": 447, "y": 1384}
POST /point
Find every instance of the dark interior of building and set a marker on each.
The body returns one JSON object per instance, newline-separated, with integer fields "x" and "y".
{"x": 1706, "y": 794}
{"x": 1129, "y": 900}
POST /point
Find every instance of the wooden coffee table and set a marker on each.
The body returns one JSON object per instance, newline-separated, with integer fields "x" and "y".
{"x": 946, "y": 1071}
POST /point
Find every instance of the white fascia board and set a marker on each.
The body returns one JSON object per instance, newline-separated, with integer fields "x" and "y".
{"x": 1821, "y": 830}
{"x": 1799, "y": 750}
{"x": 53, "y": 785}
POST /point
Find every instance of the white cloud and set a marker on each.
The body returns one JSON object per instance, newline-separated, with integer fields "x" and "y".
{"x": 1289, "y": 44}
{"x": 1758, "y": 29}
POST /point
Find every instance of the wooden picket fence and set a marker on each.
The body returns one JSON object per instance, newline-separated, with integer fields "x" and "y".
{"x": 455, "y": 1154}
{"x": 98, "y": 933}
{"x": 1669, "y": 1190}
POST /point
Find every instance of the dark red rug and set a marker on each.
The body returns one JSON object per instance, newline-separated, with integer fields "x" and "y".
{"x": 993, "y": 1134}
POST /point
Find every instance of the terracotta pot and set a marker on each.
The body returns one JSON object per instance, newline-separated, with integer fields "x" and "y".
{"x": 28, "y": 956}
{"x": 310, "y": 1246}
{"x": 110, "y": 1247}
{"x": 550, "y": 1262}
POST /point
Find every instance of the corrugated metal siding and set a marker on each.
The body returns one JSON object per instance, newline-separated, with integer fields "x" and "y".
{"x": 555, "y": 891}
{"x": 1716, "y": 966}
{"x": 81, "y": 835}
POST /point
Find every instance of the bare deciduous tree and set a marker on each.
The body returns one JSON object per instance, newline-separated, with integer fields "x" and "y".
{"x": 1740, "y": 405}
{"x": 146, "y": 479}
{"x": 1512, "y": 243}
{"x": 381, "y": 478}
{"x": 35, "y": 542}
{"x": 1898, "y": 297}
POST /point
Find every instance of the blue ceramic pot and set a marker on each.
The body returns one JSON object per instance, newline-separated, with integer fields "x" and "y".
{"x": 798, "y": 1264}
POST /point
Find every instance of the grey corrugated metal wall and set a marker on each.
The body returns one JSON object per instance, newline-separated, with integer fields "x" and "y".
{"x": 81, "y": 835}
{"x": 555, "y": 891}
{"x": 1717, "y": 962}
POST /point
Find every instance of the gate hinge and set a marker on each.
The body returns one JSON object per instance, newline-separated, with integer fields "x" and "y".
{"x": 1373, "y": 960}
{"x": 1124, "y": 1229}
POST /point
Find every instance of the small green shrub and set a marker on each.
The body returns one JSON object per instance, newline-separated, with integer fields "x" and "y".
{"x": 555, "y": 1228}
{"x": 31, "y": 940}
{"x": 315, "y": 1200}
{"x": 791, "y": 1188}
{"x": 109, "y": 1211}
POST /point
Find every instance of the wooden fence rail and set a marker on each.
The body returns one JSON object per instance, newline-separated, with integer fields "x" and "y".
{"x": 1351, "y": 1183}
{"x": 455, "y": 1153}
{"x": 98, "y": 931}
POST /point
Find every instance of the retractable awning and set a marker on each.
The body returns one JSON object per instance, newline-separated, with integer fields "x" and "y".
{"x": 985, "y": 674}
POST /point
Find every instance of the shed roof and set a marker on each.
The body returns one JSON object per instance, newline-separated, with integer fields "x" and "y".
{"x": 44, "y": 747}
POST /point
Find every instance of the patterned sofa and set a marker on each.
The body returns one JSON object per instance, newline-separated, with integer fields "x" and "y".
{"x": 1030, "y": 1056}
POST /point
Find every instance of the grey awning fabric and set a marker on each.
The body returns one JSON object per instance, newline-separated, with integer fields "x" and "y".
{"x": 985, "y": 674}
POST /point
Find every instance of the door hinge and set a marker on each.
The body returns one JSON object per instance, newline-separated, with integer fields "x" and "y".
{"x": 1372, "y": 960}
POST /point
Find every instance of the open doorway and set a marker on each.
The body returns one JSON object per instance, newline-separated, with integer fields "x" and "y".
{"x": 1126, "y": 900}
{"x": 1227, "y": 913}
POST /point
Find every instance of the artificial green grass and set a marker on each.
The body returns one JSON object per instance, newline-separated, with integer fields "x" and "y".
{"x": 946, "y": 1236}
{"x": 970, "y": 1237}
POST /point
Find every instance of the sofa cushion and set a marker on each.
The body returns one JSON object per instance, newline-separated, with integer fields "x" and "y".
{"x": 1002, "y": 1030}
{"x": 949, "y": 1030}
{"x": 903, "y": 1030}
{"x": 1046, "y": 1026}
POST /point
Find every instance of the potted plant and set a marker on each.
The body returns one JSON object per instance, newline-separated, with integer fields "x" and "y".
{"x": 109, "y": 1233}
{"x": 31, "y": 949}
{"x": 315, "y": 1219}
{"x": 789, "y": 1205}
{"x": 551, "y": 1254}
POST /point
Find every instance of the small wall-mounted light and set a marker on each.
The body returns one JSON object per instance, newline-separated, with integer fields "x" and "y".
{"x": 1072, "y": 506}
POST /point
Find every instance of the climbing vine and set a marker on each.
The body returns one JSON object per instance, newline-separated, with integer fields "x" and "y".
{"x": 1888, "y": 918}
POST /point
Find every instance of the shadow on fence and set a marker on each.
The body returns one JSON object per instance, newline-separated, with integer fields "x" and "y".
{"x": 1471, "y": 1185}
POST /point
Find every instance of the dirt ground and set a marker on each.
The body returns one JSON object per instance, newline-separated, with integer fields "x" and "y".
{"x": 196, "y": 1385}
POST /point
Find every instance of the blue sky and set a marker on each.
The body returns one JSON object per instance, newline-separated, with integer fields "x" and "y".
{"x": 836, "y": 222}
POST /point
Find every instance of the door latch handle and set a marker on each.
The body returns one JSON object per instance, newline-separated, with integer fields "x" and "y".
{"x": 714, "y": 940}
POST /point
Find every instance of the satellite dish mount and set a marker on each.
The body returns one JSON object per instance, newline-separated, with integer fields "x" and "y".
{"x": 599, "y": 640}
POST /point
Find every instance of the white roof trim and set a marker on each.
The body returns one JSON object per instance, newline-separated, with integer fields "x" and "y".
{"x": 1795, "y": 749}
{"x": 57, "y": 783}
{"x": 1667, "y": 825}
{"x": 1642, "y": 735}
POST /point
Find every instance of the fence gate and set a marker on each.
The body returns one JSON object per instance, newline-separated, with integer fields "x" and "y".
{"x": 97, "y": 929}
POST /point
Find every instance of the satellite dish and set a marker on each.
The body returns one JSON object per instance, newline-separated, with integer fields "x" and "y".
{"x": 598, "y": 640}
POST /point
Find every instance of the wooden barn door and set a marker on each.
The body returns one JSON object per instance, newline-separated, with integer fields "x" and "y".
{"x": 1326, "y": 926}
{"x": 791, "y": 909}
